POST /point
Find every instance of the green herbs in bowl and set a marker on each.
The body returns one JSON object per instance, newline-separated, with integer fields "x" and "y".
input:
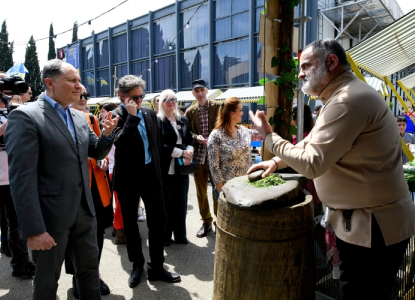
{"x": 267, "y": 182}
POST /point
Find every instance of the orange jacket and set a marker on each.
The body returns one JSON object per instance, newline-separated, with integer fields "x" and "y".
{"x": 100, "y": 176}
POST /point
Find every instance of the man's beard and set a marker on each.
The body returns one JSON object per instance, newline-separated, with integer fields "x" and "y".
{"x": 313, "y": 82}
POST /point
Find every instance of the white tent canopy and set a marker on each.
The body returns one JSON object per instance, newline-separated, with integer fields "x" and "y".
{"x": 389, "y": 50}
{"x": 409, "y": 81}
{"x": 98, "y": 100}
{"x": 249, "y": 94}
{"x": 187, "y": 96}
{"x": 374, "y": 82}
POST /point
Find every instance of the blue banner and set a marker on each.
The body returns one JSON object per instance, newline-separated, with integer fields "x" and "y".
{"x": 73, "y": 56}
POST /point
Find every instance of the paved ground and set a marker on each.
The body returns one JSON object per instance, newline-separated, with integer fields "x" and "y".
{"x": 194, "y": 262}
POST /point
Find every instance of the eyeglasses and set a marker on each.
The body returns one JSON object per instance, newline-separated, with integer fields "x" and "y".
{"x": 86, "y": 96}
{"x": 135, "y": 98}
{"x": 174, "y": 100}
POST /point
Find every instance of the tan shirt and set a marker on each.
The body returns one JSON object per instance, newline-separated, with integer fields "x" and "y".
{"x": 354, "y": 156}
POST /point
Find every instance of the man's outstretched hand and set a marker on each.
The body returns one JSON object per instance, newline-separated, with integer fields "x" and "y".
{"x": 261, "y": 123}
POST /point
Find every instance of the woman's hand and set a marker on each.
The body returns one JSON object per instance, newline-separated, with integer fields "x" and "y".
{"x": 187, "y": 154}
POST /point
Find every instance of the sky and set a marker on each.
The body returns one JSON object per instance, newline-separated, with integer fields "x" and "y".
{"x": 33, "y": 17}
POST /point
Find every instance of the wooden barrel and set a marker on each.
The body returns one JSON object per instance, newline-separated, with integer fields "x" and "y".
{"x": 265, "y": 251}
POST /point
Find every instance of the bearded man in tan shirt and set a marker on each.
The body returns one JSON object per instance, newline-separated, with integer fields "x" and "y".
{"x": 354, "y": 156}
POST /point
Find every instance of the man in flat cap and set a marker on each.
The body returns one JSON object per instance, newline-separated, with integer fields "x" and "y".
{"x": 202, "y": 117}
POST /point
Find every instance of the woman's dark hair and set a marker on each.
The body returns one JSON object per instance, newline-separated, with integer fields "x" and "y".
{"x": 224, "y": 116}
{"x": 308, "y": 117}
{"x": 108, "y": 106}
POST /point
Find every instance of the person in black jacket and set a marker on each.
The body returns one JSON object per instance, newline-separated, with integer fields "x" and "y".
{"x": 176, "y": 150}
{"x": 137, "y": 173}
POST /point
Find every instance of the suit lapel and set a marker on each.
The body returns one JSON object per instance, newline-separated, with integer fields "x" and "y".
{"x": 52, "y": 115}
{"x": 197, "y": 120}
{"x": 76, "y": 123}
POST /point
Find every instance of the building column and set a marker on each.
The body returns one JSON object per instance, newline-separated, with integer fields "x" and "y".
{"x": 110, "y": 62}
{"x": 211, "y": 7}
{"x": 151, "y": 50}
{"x": 129, "y": 47}
{"x": 252, "y": 54}
{"x": 178, "y": 41}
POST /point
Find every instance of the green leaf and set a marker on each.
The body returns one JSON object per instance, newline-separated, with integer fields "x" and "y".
{"x": 263, "y": 81}
{"x": 279, "y": 81}
{"x": 288, "y": 77}
{"x": 262, "y": 100}
{"x": 289, "y": 94}
{"x": 289, "y": 64}
{"x": 263, "y": 12}
{"x": 275, "y": 61}
{"x": 293, "y": 130}
{"x": 271, "y": 121}
{"x": 296, "y": 62}
{"x": 278, "y": 111}
{"x": 284, "y": 49}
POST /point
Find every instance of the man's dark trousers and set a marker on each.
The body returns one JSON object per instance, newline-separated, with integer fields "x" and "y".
{"x": 17, "y": 246}
{"x": 369, "y": 273}
{"x": 150, "y": 190}
{"x": 81, "y": 237}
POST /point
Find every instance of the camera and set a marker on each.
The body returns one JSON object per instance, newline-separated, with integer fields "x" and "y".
{"x": 13, "y": 85}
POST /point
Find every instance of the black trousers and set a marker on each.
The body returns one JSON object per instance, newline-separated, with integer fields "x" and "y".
{"x": 175, "y": 190}
{"x": 369, "y": 273}
{"x": 104, "y": 216}
{"x": 18, "y": 247}
{"x": 151, "y": 191}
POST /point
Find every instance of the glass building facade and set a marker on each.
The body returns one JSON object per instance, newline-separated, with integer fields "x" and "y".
{"x": 220, "y": 46}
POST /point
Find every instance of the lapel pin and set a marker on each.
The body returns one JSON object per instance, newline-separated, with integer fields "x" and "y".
{"x": 178, "y": 127}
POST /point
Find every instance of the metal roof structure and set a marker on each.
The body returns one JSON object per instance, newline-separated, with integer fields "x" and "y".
{"x": 374, "y": 82}
{"x": 249, "y": 94}
{"x": 390, "y": 50}
{"x": 187, "y": 96}
{"x": 409, "y": 81}
{"x": 359, "y": 19}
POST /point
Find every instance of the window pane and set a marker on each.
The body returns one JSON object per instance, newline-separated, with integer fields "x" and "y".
{"x": 198, "y": 33}
{"x": 165, "y": 73}
{"x": 164, "y": 32}
{"x": 88, "y": 57}
{"x": 260, "y": 2}
{"x": 119, "y": 72}
{"x": 103, "y": 57}
{"x": 222, "y": 8}
{"x": 104, "y": 82}
{"x": 240, "y": 24}
{"x": 258, "y": 18}
{"x": 140, "y": 41}
{"x": 222, "y": 29}
{"x": 194, "y": 65}
{"x": 120, "y": 48}
{"x": 140, "y": 68}
{"x": 89, "y": 82}
{"x": 231, "y": 63}
{"x": 239, "y": 5}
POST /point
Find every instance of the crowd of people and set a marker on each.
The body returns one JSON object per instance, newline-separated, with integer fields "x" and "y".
{"x": 66, "y": 170}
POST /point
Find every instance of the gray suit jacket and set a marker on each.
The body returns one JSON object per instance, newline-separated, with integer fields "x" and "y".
{"x": 48, "y": 172}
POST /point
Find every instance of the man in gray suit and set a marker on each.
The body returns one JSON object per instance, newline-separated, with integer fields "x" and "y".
{"x": 48, "y": 145}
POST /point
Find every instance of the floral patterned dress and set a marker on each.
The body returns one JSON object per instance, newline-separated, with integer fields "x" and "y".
{"x": 230, "y": 157}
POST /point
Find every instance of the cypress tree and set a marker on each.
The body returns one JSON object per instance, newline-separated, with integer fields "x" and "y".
{"x": 6, "y": 49}
{"x": 52, "y": 52}
{"x": 75, "y": 32}
{"x": 32, "y": 65}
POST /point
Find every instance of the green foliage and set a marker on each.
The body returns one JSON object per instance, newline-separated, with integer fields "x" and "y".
{"x": 279, "y": 81}
{"x": 32, "y": 65}
{"x": 289, "y": 94}
{"x": 290, "y": 64}
{"x": 284, "y": 49}
{"x": 390, "y": 104}
{"x": 263, "y": 81}
{"x": 267, "y": 182}
{"x": 288, "y": 77}
{"x": 275, "y": 61}
{"x": 6, "y": 49}
{"x": 293, "y": 130}
{"x": 75, "y": 32}
{"x": 262, "y": 100}
{"x": 52, "y": 52}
